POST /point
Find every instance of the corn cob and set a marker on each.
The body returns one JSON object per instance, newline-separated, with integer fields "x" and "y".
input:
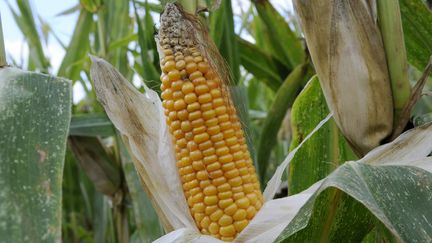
{"x": 219, "y": 179}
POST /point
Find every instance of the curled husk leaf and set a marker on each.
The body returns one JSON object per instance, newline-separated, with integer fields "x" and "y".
{"x": 141, "y": 123}
{"x": 346, "y": 47}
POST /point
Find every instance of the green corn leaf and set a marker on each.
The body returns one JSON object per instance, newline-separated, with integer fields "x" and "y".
{"x": 285, "y": 44}
{"x": 317, "y": 158}
{"x": 70, "y": 10}
{"x": 124, "y": 42}
{"x": 35, "y": 115}
{"x": 101, "y": 211}
{"x": 91, "y": 125}
{"x": 260, "y": 96}
{"x": 149, "y": 73}
{"x": 146, "y": 219}
{"x": 27, "y": 25}
{"x": 91, "y": 5}
{"x": 399, "y": 196}
{"x": 323, "y": 152}
{"x": 222, "y": 32}
{"x": 78, "y": 48}
{"x": 285, "y": 97}
{"x": 240, "y": 100}
{"x": 417, "y": 27}
{"x": 154, "y": 7}
{"x": 119, "y": 26}
{"x": 259, "y": 63}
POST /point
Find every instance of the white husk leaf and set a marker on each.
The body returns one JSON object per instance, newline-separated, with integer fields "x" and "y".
{"x": 141, "y": 122}
{"x": 412, "y": 142}
{"x": 139, "y": 118}
{"x": 276, "y": 179}
{"x": 347, "y": 51}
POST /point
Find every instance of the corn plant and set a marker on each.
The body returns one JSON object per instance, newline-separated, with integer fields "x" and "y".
{"x": 249, "y": 125}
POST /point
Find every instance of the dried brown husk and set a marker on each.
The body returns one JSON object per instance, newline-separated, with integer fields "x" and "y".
{"x": 347, "y": 50}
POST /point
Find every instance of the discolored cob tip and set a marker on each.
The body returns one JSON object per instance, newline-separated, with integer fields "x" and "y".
{"x": 175, "y": 29}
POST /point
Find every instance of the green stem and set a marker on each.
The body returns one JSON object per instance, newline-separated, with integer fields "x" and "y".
{"x": 189, "y": 6}
{"x": 2, "y": 47}
{"x": 391, "y": 29}
{"x": 101, "y": 31}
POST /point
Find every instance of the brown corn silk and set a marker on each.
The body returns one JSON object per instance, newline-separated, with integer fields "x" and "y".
{"x": 347, "y": 51}
{"x": 219, "y": 179}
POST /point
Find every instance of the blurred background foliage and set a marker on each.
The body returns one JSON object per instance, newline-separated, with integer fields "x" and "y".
{"x": 103, "y": 200}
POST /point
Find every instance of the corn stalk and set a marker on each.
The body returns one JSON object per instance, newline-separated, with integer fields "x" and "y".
{"x": 2, "y": 47}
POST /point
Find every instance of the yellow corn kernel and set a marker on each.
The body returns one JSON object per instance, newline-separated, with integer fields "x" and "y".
{"x": 240, "y": 225}
{"x": 209, "y": 159}
{"x": 194, "y": 191}
{"x": 231, "y": 209}
{"x": 243, "y": 202}
{"x": 227, "y": 239}
{"x": 202, "y": 89}
{"x": 198, "y": 208}
{"x": 225, "y": 220}
{"x": 224, "y": 195}
{"x": 213, "y": 228}
{"x": 211, "y": 209}
{"x": 202, "y": 175}
{"x": 240, "y": 215}
{"x": 227, "y": 230}
{"x": 251, "y": 211}
{"x": 205, "y": 222}
{"x": 224, "y": 187}
{"x": 210, "y": 200}
{"x": 198, "y": 165}
{"x": 216, "y": 174}
{"x": 210, "y": 190}
{"x": 225, "y": 202}
{"x": 209, "y": 151}
{"x": 195, "y": 75}
{"x": 216, "y": 215}
{"x": 213, "y": 166}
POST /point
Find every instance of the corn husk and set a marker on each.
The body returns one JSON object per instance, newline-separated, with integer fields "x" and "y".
{"x": 346, "y": 47}
{"x": 141, "y": 122}
{"x": 139, "y": 119}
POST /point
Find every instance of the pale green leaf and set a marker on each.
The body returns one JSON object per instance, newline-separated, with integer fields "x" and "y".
{"x": 417, "y": 27}
{"x": 34, "y": 121}
{"x": 91, "y": 125}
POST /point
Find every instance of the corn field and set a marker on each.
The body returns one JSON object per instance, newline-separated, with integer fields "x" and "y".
{"x": 216, "y": 121}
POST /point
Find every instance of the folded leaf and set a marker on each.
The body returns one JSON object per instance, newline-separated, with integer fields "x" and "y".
{"x": 96, "y": 163}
